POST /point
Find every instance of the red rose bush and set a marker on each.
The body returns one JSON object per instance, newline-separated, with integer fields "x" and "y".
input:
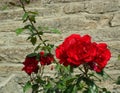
{"x": 75, "y": 53}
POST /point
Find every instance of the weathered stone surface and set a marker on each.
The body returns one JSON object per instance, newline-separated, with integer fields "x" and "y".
{"x": 16, "y": 14}
{"x": 10, "y": 38}
{"x": 59, "y": 1}
{"x": 116, "y": 20}
{"x": 8, "y": 25}
{"x": 10, "y": 85}
{"x": 69, "y": 22}
{"x": 98, "y": 18}
{"x": 73, "y": 8}
{"x": 5, "y": 4}
{"x": 101, "y": 6}
{"x": 103, "y": 20}
{"x": 14, "y": 54}
{"x": 10, "y": 68}
{"x": 102, "y": 34}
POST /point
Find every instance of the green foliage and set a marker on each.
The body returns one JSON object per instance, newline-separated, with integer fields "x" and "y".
{"x": 25, "y": 17}
{"x": 118, "y": 57}
{"x": 32, "y": 54}
{"x": 92, "y": 87}
{"x": 37, "y": 47}
{"x": 33, "y": 40}
{"x": 4, "y": 7}
{"x": 104, "y": 90}
{"x": 35, "y": 88}
{"x": 118, "y": 80}
{"x": 27, "y": 1}
{"x": 30, "y": 28}
{"x": 56, "y": 31}
{"x": 27, "y": 87}
{"x": 104, "y": 75}
{"x": 19, "y": 31}
{"x": 65, "y": 79}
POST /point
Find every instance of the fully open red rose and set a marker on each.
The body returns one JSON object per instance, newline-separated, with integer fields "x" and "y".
{"x": 102, "y": 57}
{"x": 30, "y": 65}
{"x": 46, "y": 59}
{"x": 76, "y": 50}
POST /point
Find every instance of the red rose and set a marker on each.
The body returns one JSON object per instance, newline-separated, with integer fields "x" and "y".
{"x": 76, "y": 50}
{"x": 30, "y": 65}
{"x": 46, "y": 59}
{"x": 102, "y": 57}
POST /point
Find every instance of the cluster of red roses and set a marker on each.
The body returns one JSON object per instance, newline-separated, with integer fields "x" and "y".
{"x": 74, "y": 51}
{"x": 77, "y": 50}
{"x": 31, "y": 64}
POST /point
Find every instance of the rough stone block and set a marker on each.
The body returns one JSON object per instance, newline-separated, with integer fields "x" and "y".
{"x": 103, "y": 20}
{"x": 14, "y": 54}
{"x": 72, "y": 8}
{"x": 59, "y": 1}
{"x": 10, "y": 85}
{"x": 101, "y": 6}
{"x": 10, "y": 25}
{"x": 116, "y": 20}
{"x": 16, "y": 14}
{"x": 10, "y": 68}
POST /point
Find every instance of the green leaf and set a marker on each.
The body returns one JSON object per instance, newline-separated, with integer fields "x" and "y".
{"x": 104, "y": 90}
{"x": 29, "y": 27}
{"x": 4, "y": 7}
{"x": 40, "y": 81}
{"x": 92, "y": 87}
{"x": 49, "y": 47}
{"x": 32, "y": 18}
{"x": 118, "y": 57}
{"x": 70, "y": 89}
{"x": 70, "y": 80}
{"x": 26, "y": 1}
{"x": 27, "y": 86}
{"x": 45, "y": 41}
{"x": 25, "y": 17}
{"x": 40, "y": 33}
{"x": 101, "y": 73}
{"x": 61, "y": 85}
{"x": 35, "y": 88}
{"x": 75, "y": 89}
{"x": 55, "y": 31}
{"x": 118, "y": 80}
{"x": 32, "y": 55}
{"x": 19, "y": 31}
{"x": 104, "y": 75}
{"x": 48, "y": 85}
{"x": 33, "y": 40}
{"x": 58, "y": 66}
{"x": 34, "y": 13}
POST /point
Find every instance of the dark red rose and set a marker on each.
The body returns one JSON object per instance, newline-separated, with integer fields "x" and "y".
{"x": 102, "y": 57}
{"x": 30, "y": 65}
{"x": 76, "y": 50}
{"x": 46, "y": 59}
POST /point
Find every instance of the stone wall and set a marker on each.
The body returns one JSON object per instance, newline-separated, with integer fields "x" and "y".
{"x": 99, "y": 18}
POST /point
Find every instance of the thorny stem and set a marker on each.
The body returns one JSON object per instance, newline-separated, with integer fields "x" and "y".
{"x": 23, "y": 7}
